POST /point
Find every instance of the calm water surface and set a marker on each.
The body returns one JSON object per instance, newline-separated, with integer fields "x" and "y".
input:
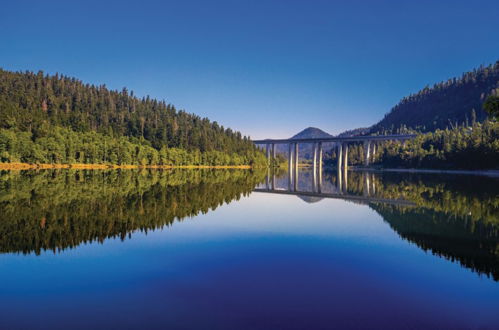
{"x": 203, "y": 250}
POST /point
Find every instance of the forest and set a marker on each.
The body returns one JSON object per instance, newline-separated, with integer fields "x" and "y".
{"x": 454, "y": 102}
{"x": 469, "y": 147}
{"x": 58, "y": 119}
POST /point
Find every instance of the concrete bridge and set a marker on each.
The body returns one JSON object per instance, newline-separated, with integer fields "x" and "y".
{"x": 341, "y": 145}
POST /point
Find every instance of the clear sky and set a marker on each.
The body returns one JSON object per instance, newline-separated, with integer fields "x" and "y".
{"x": 266, "y": 68}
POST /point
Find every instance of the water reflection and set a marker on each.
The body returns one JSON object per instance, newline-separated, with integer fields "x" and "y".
{"x": 443, "y": 214}
{"x": 59, "y": 209}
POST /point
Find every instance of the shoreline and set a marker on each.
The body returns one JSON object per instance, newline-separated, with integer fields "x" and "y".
{"x": 489, "y": 173}
{"x": 26, "y": 166}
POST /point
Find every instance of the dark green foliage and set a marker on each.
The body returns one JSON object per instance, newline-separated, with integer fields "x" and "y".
{"x": 59, "y": 114}
{"x": 64, "y": 146}
{"x": 450, "y": 103}
{"x": 491, "y": 106}
{"x": 462, "y": 147}
{"x": 475, "y": 147}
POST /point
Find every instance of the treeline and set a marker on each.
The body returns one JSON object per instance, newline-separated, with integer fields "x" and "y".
{"x": 460, "y": 147}
{"x": 44, "y": 107}
{"x": 64, "y": 146}
{"x": 453, "y": 102}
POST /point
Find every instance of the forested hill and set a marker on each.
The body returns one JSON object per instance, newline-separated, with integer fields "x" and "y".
{"x": 36, "y": 103}
{"x": 457, "y": 100}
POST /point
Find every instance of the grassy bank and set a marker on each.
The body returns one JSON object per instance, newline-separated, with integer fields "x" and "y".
{"x": 27, "y": 166}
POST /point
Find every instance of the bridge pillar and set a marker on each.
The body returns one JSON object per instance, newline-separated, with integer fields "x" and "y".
{"x": 345, "y": 156}
{"x": 320, "y": 166}
{"x": 339, "y": 155}
{"x": 315, "y": 158}
{"x": 374, "y": 153}
{"x": 339, "y": 174}
{"x": 290, "y": 164}
{"x": 296, "y": 157}
{"x": 345, "y": 167}
{"x": 367, "y": 152}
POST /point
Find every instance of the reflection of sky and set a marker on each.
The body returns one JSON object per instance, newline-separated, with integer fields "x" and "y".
{"x": 265, "y": 260}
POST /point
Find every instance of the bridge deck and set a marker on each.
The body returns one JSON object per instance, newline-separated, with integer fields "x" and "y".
{"x": 340, "y": 139}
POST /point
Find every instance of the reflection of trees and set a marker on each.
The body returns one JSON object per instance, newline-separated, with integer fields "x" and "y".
{"x": 473, "y": 244}
{"x": 476, "y": 198}
{"x": 473, "y": 198}
{"x": 54, "y": 210}
{"x": 457, "y": 217}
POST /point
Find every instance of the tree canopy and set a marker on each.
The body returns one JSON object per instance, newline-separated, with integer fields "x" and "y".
{"x": 54, "y": 118}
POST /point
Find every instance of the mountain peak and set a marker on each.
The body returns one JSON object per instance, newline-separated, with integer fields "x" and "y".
{"x": 310, "y": 133}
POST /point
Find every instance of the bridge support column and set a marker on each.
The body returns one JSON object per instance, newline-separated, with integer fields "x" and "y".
{"x": 290, "y": 165}
{"x": 345, "y": 167}
{"x": 345, "y": 156}
{"x": 367, "y": 152}
{"x": 373, "y": 158}
{"x": 315, "y": 156}
{"x": 320, "y": 166}
{"x": 339, "y": 155}
{"x": 296, "y": 157}
{"x": 339, "y": 174}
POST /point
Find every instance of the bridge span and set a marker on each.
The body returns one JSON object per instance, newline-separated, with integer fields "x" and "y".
{"x": 369, "y": 141}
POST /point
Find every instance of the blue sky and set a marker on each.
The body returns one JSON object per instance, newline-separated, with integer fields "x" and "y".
{"x": 266, "y": 68}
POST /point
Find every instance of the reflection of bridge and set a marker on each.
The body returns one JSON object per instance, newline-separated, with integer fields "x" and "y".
{"x": 354, "y": 198}
{"x": 340, "y": 190}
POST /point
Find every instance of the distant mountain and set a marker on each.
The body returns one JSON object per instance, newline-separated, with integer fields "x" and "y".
{"x": 457, "y": 100}
{"x": 312, "y": 133}
{"x": 305, "y": 150}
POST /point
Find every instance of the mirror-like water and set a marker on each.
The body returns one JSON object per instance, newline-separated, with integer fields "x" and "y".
{"x": 235, "y": 249}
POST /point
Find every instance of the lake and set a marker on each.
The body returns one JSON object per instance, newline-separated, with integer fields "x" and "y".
{"x": 240, "y": 249}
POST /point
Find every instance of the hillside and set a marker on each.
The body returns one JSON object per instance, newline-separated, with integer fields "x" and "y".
{"x": 66, "y": 120}
{"x": 457, "y": 100}
{"x": 30, "y": 101}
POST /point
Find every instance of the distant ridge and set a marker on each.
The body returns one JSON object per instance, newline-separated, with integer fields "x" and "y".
{"x": 457, "y": 100}
{"x": 311, "y": 133}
